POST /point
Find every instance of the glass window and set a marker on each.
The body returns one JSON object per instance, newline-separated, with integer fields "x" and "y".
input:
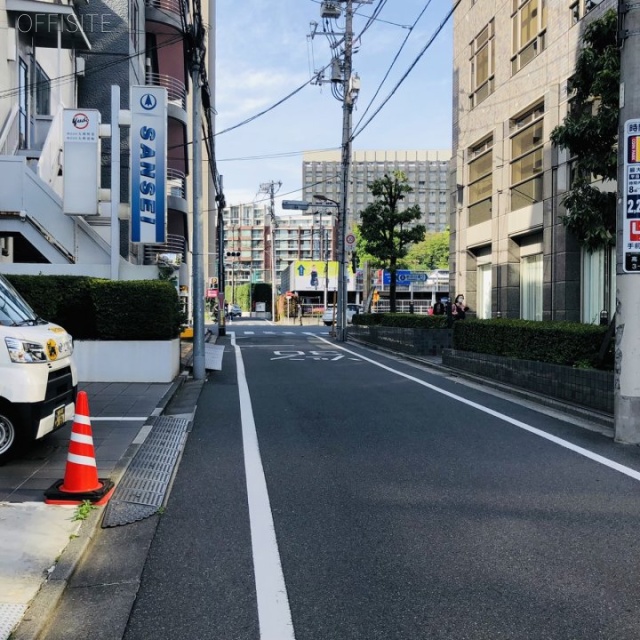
{"x": 528, "y": 22}
{"x": 531, "y": 287}
{"x": 596, "y": 273}
{"x": 43, "y": 92}
{"x": 482, "y": 65}
{"x": 483, "y": 310}
{"x": 480, "y": 182}
{"x": 527, "y": 158}
{"x": 23, "y": 102}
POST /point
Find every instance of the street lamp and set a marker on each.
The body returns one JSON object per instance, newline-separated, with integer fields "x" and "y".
{"x": 341, "y": 323}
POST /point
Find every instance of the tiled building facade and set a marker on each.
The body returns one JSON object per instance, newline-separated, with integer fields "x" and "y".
{"x": 511, "y": 255}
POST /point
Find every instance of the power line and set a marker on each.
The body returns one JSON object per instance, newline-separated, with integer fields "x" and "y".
{"x": 411, "y": 67}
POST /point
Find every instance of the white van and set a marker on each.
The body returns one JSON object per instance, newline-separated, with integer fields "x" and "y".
{"x": 38, "y": 380}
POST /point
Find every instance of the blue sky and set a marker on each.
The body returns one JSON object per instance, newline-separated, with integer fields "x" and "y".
{"x": 264, "y": 54}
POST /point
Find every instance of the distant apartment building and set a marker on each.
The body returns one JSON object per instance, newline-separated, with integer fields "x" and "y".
{"x": 511, "y": 255}
{"x": 427, "y": 173}
{"x": 249, "y": 230}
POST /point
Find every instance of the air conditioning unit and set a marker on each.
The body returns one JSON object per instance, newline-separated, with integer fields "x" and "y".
{"x": 330, "y": 10}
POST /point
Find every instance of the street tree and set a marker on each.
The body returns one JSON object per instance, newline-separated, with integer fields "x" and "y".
{"x": 590, "y": 133}
{"x": 432, "y": 252}
{"x": 386, "y": 231}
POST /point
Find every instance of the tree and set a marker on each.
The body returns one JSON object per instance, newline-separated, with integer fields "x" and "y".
{"x": 387, "y": 232}
{"x": 590, "y": 134}
{"x": 432, "y": 252}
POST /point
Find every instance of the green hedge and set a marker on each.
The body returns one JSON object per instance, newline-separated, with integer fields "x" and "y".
{"x": 406, "y": 320}
{"x": 97, "y": 309}
{"x": 567, "y": 343}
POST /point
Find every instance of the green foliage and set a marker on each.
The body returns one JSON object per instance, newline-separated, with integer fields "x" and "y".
{"x": 83, "y": 510}
{"x": 64, "y": 300}
{"x": 590, "y": 133}
{"x": 432, "y": 252}
{"x": 405, "y": 320}
{"x": 96, "y": 309}
{"x": 566, "y": 343}
{"x": 387, "y": 232}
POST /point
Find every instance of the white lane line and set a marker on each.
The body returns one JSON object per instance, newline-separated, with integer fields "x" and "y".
{"x": 632, "y": 473}
{"x": 274, "y": 614}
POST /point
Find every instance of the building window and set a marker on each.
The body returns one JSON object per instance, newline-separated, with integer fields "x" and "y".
{"x": 580, "y": 8}
{"x": 526, "y": 158}
{"x": 480, "y": 181}
{"x": 529, "y": 22}
{"x": 135, "y": 26}
{"x": 531, "y": 287}
{"x": 23, "y": 102}
{"x": 596, "y": 274}
{"x": 43, "y": 92}
{"x": 482, "y": 65}
{"x": 483, "y": 310}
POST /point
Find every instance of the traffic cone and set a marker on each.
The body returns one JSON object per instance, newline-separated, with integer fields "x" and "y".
{"x": 81, "y": 480}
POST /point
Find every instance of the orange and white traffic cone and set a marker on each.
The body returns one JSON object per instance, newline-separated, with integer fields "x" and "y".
{"x": 81, "y": 480}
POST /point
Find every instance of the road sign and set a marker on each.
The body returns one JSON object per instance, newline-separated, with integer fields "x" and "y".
{"x": 405, "y": 277}
{"x": 301, "y": 205}
{"x": 350, "y": 241}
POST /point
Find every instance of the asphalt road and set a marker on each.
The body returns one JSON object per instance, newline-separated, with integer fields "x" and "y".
{"x": 328, "y": 493}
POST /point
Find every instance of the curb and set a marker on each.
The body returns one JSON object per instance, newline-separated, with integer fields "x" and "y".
{"x": 602, "y": 422}
{"x": 45, "y": 601}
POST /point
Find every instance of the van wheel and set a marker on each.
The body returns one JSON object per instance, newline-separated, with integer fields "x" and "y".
{"x": 9, "y": 439}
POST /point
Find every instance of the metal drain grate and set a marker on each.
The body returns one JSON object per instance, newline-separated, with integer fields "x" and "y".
{"x": 142, "y": 489}
{"x": 10, "y": 615}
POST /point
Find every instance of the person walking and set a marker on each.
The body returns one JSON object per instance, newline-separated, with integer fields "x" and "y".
{"x": 459, "y": 309}
{"x": 300, "y": 313}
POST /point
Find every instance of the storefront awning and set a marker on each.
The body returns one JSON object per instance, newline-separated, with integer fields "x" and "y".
{"x": 41, "y": 21}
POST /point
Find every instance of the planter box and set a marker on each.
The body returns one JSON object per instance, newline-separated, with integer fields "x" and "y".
{"x": 585, "y": 387}
{"x": 127, "y": 361}
{"x": 418, "y": 342}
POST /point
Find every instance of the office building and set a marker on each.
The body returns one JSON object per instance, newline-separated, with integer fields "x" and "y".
{"x": 511, "y": 255}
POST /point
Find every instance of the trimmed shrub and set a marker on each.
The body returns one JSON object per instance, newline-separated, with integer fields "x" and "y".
{"x": 99, "y": 309}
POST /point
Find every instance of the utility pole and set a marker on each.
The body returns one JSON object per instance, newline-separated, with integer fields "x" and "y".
{"x": 269, "y": 187}
{"x": 347, "y": 112}
{"x": 627, "y": 369}
{"x": 197, "y": 52}
{"x": 345, "y": 87}
{"x": 222, "y": 330}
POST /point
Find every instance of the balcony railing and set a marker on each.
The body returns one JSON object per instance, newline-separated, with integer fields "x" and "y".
{"x": 176, "y": 184}
{"x": 172, "y": 6}
{"x": 174, "y": 245}
{"x": 176, "y": 90}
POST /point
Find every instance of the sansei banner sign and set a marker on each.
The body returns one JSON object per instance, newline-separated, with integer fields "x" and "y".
{"x": 148, "y": 164}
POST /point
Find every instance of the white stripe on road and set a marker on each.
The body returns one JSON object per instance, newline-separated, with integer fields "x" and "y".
{"x": 632, "y": 473}
{"x": 274, "y": 614}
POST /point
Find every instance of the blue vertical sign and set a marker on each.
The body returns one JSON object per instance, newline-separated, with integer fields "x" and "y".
{"x": 148, "y": 164}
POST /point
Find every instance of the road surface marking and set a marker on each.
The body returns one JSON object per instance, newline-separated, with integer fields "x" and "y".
{"x": 274, "y": 614}
{"x": 632, "y": 473}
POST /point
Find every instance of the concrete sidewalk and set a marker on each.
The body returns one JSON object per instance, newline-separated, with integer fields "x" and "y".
{"x": 41, "y": 543}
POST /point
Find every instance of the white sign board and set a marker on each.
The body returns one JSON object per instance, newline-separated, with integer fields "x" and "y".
{"x": 148, "y": 164}
{"x": 81, "y": 165}
{"x": 631, "y": 201}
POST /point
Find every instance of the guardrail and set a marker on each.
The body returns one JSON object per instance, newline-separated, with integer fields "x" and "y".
{"x": 176, "y": 90}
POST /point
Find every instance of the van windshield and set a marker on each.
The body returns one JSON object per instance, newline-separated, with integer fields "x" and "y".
{"x": 14, "y": 310}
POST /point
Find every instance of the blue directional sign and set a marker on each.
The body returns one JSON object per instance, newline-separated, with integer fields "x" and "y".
{"x": 405, "y": 277}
